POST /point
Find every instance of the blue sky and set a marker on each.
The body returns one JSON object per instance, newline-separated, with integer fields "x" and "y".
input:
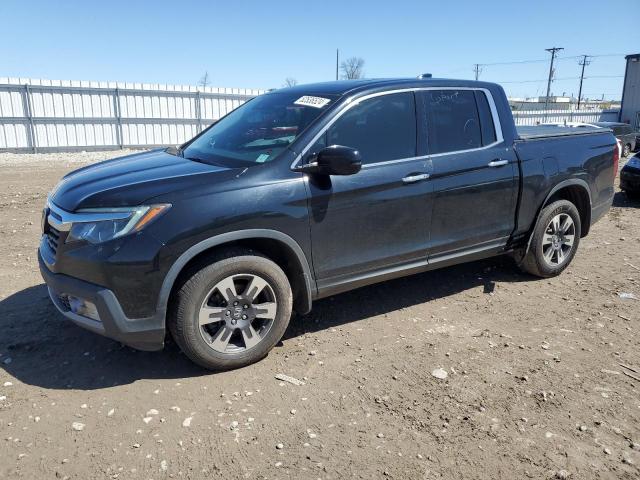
{"x": 259, "y": 44}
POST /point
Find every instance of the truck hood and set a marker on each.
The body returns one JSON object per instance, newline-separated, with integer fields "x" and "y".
{"x": 130, "y": 180}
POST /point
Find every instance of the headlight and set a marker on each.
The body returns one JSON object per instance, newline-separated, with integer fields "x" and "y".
{"x": 103, "y": 224}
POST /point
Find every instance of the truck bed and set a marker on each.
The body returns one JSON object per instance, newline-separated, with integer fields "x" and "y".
{"x": 536, "y": 132}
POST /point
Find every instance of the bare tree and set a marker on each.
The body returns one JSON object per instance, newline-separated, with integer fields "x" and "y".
{"x": 204, "y": 81}
{"x": 352, "y": 68}
{"x": 290, "y": 82}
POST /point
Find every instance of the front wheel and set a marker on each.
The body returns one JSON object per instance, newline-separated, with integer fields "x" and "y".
{"x": 231, "y": 312}
{"x": 555, "y": 240}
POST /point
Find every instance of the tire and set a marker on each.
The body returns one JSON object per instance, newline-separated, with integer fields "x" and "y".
{"x": 544, "y": 259}
{"x": 626, "y": 150}
{"x": 632, "y": 195}
{"x": 200, "y": 296}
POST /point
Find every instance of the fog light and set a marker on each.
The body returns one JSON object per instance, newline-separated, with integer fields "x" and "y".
{"x": 83, "y": 307}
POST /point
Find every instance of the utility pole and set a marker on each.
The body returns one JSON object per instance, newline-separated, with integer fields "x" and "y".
{"x": 337, "y": 61}
{"x": 477, "y": 69}
{"x": 584, "y": 62}
{"x": 553, "y": 52}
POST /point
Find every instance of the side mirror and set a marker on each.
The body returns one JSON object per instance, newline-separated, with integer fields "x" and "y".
{"x": 335, "y": 160}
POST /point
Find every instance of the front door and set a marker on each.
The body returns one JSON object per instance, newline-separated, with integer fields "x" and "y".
{"x": 378, "y": 217}
{"x": 475, "y": 176}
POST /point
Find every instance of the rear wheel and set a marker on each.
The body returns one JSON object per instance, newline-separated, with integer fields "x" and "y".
{"x": 231, "y": 312}
{"x": 555, "y": 240}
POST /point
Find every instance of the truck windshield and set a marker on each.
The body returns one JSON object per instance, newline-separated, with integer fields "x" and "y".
{"x": 258, "y": 131}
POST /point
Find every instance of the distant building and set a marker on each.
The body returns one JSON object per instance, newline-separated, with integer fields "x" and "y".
{"x": 554, "y": 99}
{"x": 560, "y": 103}
{"x": 630, "y": 109}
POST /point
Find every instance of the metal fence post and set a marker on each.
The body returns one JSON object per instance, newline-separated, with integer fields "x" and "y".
{"x": 198, "y": 111}
{"x": 117, "y": 111}
{"x": 28, "y": 110}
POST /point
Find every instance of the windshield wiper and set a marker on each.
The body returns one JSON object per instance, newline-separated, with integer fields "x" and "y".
{"x": 265, "y": 143}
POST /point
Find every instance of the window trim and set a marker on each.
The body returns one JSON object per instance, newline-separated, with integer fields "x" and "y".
{"x": 353, "y": 102}
{"x": 476, "y": 96}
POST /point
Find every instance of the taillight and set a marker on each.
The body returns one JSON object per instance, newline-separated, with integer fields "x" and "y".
{"x": 616, "y": 157}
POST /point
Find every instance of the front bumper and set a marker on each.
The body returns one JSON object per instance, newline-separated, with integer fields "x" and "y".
{"x": 142, "y": 334}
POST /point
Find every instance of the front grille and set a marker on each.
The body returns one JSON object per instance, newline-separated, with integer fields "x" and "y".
{"x": 53, "y": 237}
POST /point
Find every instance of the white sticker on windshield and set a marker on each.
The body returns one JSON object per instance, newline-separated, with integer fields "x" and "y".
{"x": 262, "y": 157}
{"x": 309, "y": 101}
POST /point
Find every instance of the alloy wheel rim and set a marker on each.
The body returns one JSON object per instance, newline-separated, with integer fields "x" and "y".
{"x": 558, "y": 240}
{"x": 237, "y": 313}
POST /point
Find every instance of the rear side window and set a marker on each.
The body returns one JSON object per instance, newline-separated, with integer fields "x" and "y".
{"x": 382, "y": 128}
{"x": 452, "y": 120}
{"x": 487, "y": 126}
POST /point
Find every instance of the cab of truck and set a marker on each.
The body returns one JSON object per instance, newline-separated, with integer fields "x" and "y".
{"x": 309, "y": 191}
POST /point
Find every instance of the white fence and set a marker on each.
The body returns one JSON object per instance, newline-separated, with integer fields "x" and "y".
{"x": 47, "y": 115}
{"x": 534, "y": 117}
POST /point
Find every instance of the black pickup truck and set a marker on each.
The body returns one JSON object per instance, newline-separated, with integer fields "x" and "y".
{"x": 307, "y": 192}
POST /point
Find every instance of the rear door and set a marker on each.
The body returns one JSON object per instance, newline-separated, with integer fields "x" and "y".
{"x": 378, "y": 217}
{"x": 475, "y": 175}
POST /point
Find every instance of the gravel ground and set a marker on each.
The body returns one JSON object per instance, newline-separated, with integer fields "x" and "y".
{"x": 476, "y": 371}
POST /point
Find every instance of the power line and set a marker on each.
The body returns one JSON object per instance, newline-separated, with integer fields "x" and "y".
{"x": 558, "y": 79}
{"x": 605, "y": 76}
{"x": 609, "y": 55}
{"x": 510, "y": 63}
{"x": 538, "y": 80}
{"x": 572, "y": 57}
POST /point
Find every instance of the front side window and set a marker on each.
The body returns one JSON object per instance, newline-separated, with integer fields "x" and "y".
{"x": 453, "y": 122}
{"x": 382, "y": 128}
{"x": 258, "y": 131}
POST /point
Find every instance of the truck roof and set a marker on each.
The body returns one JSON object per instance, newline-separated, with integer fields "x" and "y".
{"x": 342, "y": 87}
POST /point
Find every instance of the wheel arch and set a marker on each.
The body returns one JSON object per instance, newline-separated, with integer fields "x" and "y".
{"x": 577, "y": 192}
{"x": 275, "y": 245}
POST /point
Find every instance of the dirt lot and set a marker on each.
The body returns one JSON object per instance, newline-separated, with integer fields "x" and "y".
{"x": 535, "y": 386}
